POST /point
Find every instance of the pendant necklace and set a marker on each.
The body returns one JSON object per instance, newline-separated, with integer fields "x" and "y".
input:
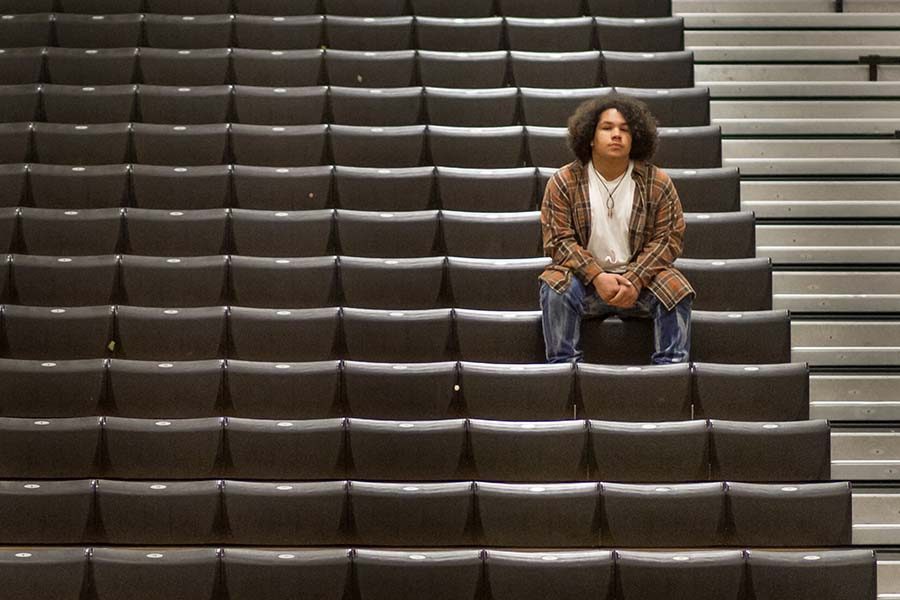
{"x": 610, "y": 201}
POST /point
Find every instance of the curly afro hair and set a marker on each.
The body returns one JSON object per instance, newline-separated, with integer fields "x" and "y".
{"x": 583, "y": 123}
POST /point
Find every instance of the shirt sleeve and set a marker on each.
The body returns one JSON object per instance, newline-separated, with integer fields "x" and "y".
{"x": 559, "y": 231}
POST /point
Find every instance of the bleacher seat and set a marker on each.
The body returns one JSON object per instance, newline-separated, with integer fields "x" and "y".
{"x": 281, "y": 146}
{"x": 176, "y": 573}
{"x": 369, "y": 33}
{"x": 491, "y": 235}
{"x": 184, "y": 105}
{"x": 461, "y": 9}
{"x": 704, "y": 575}
{"x": 251, "y": 572}
{"x": 404, "y": 283}
{"x": 279, "y": 188}
{"x": 552, "y": 107}
{"x": 100, "y": 7}
{"x": 164, "y": 390}
{"x": 46, "y": 390}
{"x": 775, "y": 392}
{"x": 741, "y": 337}
{"x": 65, "y": 187}
{"x": 568, "y": 575}
{"x": 459, "y": 35}
{"x": 264, "y": 390}
{"x": 283, "y": 335}
{"x": 537, "y": 8}
{"x": 188, "y": 32}
{"x": 284, "y": 234}
{"x": 165, "y": 66}
{"x": 45, "y": 572}
{"x": 648, "y": 69}
{"x": 356, "y": 8}
{"x": 358, "y": 68}
{"x": 557, "y": 69}
{"x": 268, "y": 449}
{"x": 406, "y": 234}
{"x": 677, "y": 107}
{"x": 492, "y": 284}
{"x": 176, "y": 233}
{"x": 406, "y": 575}
{"x": 49, "y": 448}
{"x": 276, "y": 7}
{"x": 708, "y": 190}
{"x": 191, "y": 7}
{"x": 573, "y": 34}
{"x": 180, "y": 145}
{"x": 181, "y": 188}
{"x": 263, "y": 282}
{"x": 278, "y": 32}
{"x": 376, "y": 107}
{"x": 463, "y": 69}
{"x": 79, "y": 66}
{"x": 689, "y": 147}
{"x": 174, "y": 282}
{"x": 25, "y": 7}
{"x": 650, "y": 452}
{"x": 97, "y": 31}
{"x": 399, "y": 391}
{"x": 496, "y": 336}
{"x": 663, "y": 34}
{"x": 36, "y": 332}
{"x": 145, "y": 333}
{"x": 477, "y": 147}
{"x": 719, "y": 236}
{"x": 384, "y": 147}
{"x": 371, "y": 189}
{"x": 151, "y": 512}
{"x": 491, "y": 190}
{"x": 9, "y": 227}
{"x": 66, "y": 144}
{"x": 472, "y": 108}
{"x": 636, "y": 8}
{"x": 309, "y": 513}
{"x": 548, "y": 146}
{"x": 811, "y": 575}
{"x": 280, "y": 106}
{"x": 738, "y": 284}
{"x": 425, "y": 514}
{"x": 13, "y": 185}
{"x": 546, "y": 516}
{"x": 517, "y": 392}
{"x": 64, "y": 281}
{"x": 15, "y": 142}
{"x": 270, "y": 68}
{"x": 20, "y": 103}
{"x": 21, "y": 65}
{"x": 407, "y": 451}
{"x": 522, "y": 451}
{"x": 395, "y": 336}
{"x": 29, "y": 30}
{"x": 49, "y": 512}
{"x": 158, "y": 449}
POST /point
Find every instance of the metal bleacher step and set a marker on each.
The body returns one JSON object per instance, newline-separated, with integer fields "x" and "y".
{"x": 821, "y": 39}
{"x": 862, "y": 396}
{"x": 810, "y": 75}
{"x": 787, "y": 53}
{"x": 779, "y": 6}
{"x": 846, "y": 343}
{"x": 847, "y": 157}
{"x": 845, "y": 291}
{"x": 812, "y": 118}
{"x": 829, "y": 244}
{"x": 888, "y": 574}
{"x": 797, "y": 20}
{"x": 876, "y": 517}
{"x": 866, "y": 454}
{"x": 841, "y": 87}
{"x": 850, "y": 199}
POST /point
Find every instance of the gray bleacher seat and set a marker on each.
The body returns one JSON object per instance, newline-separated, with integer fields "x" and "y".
{"x": 708, "y": 190}
{"x": 14, "y": 180}
{"x": 283, "y": 335}
{"x": 49, "y": 448}
{"x": 407, "y": 234}
{"x": 265, "y": 390}
{"x": 491, "y": 235}
{"x": 65, "y": 281}
{"x": 268, "y": 449}
{"x": 399, "y": 391}
{"x": 383, "y": 147}
{"x": 548, "y": 146}
{"x": 461, "y": 9}
{"x": 254, "y": 105}
{"x": 399, "y": 283}
{"x": 649, "y": 70}
{"x": 25, "y": 7}
{"x": 676, "y": 107}
{"x": 573, "y": 34}
{"x": 21, "y": 65}
{"x": 494, "y": 284}
{"x": 9, "y": 228}
{"x": 176, "y": 233}
{"x": 23, "y": 31}
{"x": 538, "y": 8}
{"x": 279, "y": 146}
{"x": 185, "y": 188}
{"x": 278, "y": 32}
{"x": 394, "y": 336}
{"x": 705, "y": 575}
{"x": 636, "y": 8}
{"x": 369, "y": 32}
{"x": 776, "y": 392}
{"x": 477, "y": 147}
{"x": 279, "y": 188}
{"x": 490, "y": 190}
{"x": 533, "y": 575}
{"x": 737, "y": 284}
{"x": 16, "y": 143}
{"x": 472, "y": 108}
{"x": 741, "y": 337}
{"x": 48, "y": 572}
{"x": 809, "y": 575}
{"x": 407, "y": 451}
{"x": 184, "y": 67}
{"x": 371, "y": 189}
{"x": 499, "y": 336}
{"x": 20, "y": 103}
{"x": 689, "y": 147}
{"x": 174, "y": 282}
{"x": 376, "y": 106}
{"x": 463, "y": 69}
{"x": 358, "y": 68}
{"x": 405, "y": 575}
{"x": 382, "y": 8}
{"x": 49, "y": 512}
{"x": 551, "y": 107}
{"x": 88, "y": 104}
{"x": 164, "y": 390}
{"x": 517, "y": 392}
{"x": 92, "y": 66}
{"x": 97, "y": 31}
{"x": 37, "y": 332}
{"x": 44, "y": 389}
{"x": 290, "y": 68}
{"x": 650, "y": 452}
{"x": 191, "y": 7}
{"x": 662, "y": 34}
{"x": 188, "y": 32}
{"x": 141, "y": 573}
{"x": 184, "y": 105}
{"x": 166, "y": 334}
{"x": 66, "y": 144}
{"x": 181, "y": 145}
{"x": 459, "y": 35}
{"x": 719, "y": 235}
{"x": 279, "y": 233}
{"x": 263, "y": 282}
{"x": 251, "y": 572}
{"x": 557, "y": 69}
{"x": 276, "y": 7}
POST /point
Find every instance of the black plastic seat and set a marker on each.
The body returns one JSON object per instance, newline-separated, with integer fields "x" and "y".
{"x": 17, "y": 143}
{"x": 373, "y": 189}
{"x": 265, "y": 390}
{"x": 21, "y": 65}
{"x": 677, "y": 107}
{"x": 181, "y": 145}
{"x": 720, "y": 235}
{"x": 461, "y": 9}
{"x": 355, "y": 8}
{"x": 651, "y": 452}
{"x": 491, "y": 235}
{"x": 690, "y": 147}
{"x": 13, "y": 185}
{"x": 537, "y": 8}
{"x": 162, "y": 449}
{"x": 174, "y": 282}
{"x": 165, "y": 390}
{"x": 268, "y": 449}
{"x": 176, "y": 573}
{"x": 491, "y": 190}
{"x": 636, "y": 8}
{"x": 662, "y": 34}
{"x": 280, "y": 32}
{"x": 255, "y": 572}
{"x": 97, "y": 31}
{"x": 67, "y": 144}
{"x": 100, "y": 7}
{"x": 741, "y": 337}
{"x": 271, "y": 68}
{"x": 49, "y": 448}
{"x": 191, "y": 7}
{"x": 647, "y": 393}
{"x": 65, "y": 281}
{"x": 279, "y": 146}
{"x": 708, "y": 190}
{"x": 359, "y": 68}
{"x": 59, "y": 186}
{"x": 279, "y": 106}
{"x": 776, "y": 392}
{"x": 181, "y": 188}
{"x": 281, "y": 188}
{"x": 557, "y": 514}
{"x": 151, "y": 512}
{"x": 405, "y": 575}
{"x": 185, "y": 67}
{"x": 43, "y": 572}
{"x": 649, "y": 70}
{"x": 280, "y": 233}
{"x": 388, "y": 234}
{"x": 548, "y": 146}
{"x": 177, "y": 31}
{"x": 408, "y": 451}
{"x": 463, "y": 69}
{"x": 262, "y": 282}
{"x": 812, "y": 575}
{"x": 395, "y": 336}
{"x": 66, "y": 233}
{"x": 404, "y": 283}
{"x": 44, "y": 389}
{"x": 472, "y": 108}
{"x": 571, "y": 34}
{"x": 400, "y": 391}
{"x": 376, "y": 106}
{"x": 20, "y": 103}
{"x": 495, "y": 284}
{"x": 284, "y": 335}
{"x": 286, "y": 514}
{"x": 276, "y": 7}
{"x": 566, "y": 575}
{"x": 383, "y": 147}
{"x": 704, "y": 575}
{"x": 37, "y": 332}
{"x": 176, "y": 233}
{"x": 9, "y": 229}
{"x": 557, "y": 69}
{"x": 184, "y": 105}
{"x": 170, "y": 334}
{"x": 517, "y": 392}
{"x": 49, "y": 512}
{"x": 24, "y": 7}
{"x": 499, "y": 336}
{"x": 369, "y": 32}
{"x": 552, "y": 107}
{"x": 738, "y": 284}
{"x": 459, "y": 35}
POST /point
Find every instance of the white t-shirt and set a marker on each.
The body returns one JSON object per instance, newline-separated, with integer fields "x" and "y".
{"x": 609, "y": 236}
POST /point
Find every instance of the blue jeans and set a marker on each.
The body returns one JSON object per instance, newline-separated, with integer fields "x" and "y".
{"x": 562, "y": 314}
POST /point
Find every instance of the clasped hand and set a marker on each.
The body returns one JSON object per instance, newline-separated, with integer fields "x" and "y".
{"x": 615, "y": 290}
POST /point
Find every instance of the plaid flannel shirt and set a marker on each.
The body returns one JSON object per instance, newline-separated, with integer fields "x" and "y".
{"x": 656, "y": 232}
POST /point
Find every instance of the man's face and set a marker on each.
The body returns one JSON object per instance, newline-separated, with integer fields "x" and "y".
{"x": 612, "y": 138}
